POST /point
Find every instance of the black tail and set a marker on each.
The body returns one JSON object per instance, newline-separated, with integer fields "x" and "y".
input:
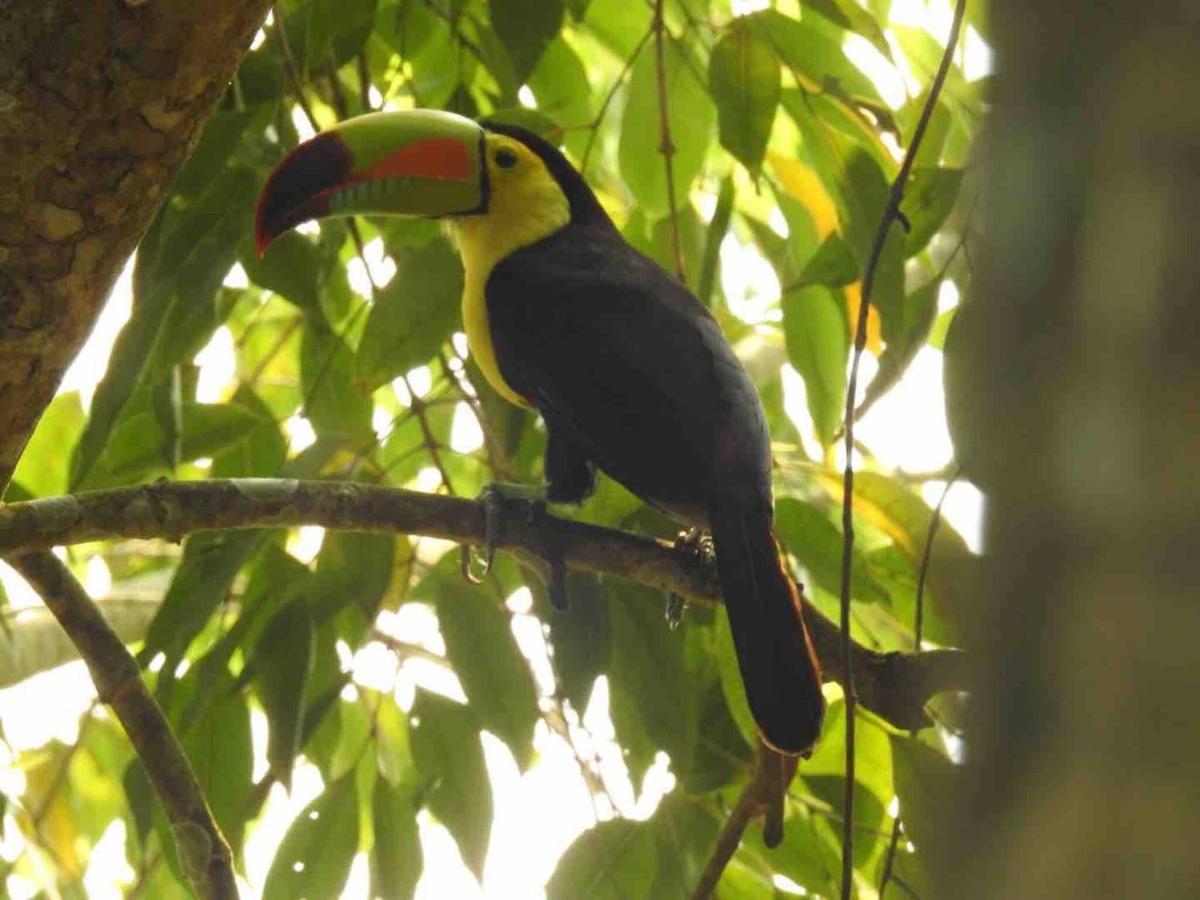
{"x": 779, "y": 668}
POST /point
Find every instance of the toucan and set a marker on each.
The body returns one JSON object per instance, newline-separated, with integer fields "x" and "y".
{"x": 628, "y": 369}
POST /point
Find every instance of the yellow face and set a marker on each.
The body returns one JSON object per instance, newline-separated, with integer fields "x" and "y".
{"x": 524, "y": 205}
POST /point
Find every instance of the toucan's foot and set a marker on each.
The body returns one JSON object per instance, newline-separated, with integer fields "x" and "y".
{"x": 495, "y": 497}
{"x": 697, "y": 545}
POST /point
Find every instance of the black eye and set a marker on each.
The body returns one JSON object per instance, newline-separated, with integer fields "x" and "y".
{"x": 505, "y": 158}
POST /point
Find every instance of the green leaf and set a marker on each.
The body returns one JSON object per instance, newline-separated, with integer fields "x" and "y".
{"x": 904, "y": 516}
{"x": 928, "y": 200}
{"x": 873, "y": 757}
{"x": 353, "y": 572}
{"x": 315, "y": 856}
{"x": 560, "y": 84}
{"x": 833, "y": 265}
{"x": 714, "y": 237}
{"x": 815, "y": 56}
{"x": 261, "y": 451}
{"x": 179, "y": 267}
{"x": 42, "y": 469}
{"x": 653, "y": 698}
{"x": 273, "y": 579}
{"x": 579, "y": 637}
{"x": 413, "y": 316}
{"x": 283, "y": 664}
{"x": 851, "y": 16}
{"x": 393, "y": 749}
{"x": 292, "y": 267}
{"x": 219, "y": 749}
{"x": 814, "y": 327}
{"x": 396, "y": 859}
{"x": 481, "y": 648}
{"x": 817, "y": 543}
{"x": 691, "y": 119}
{"x": 920, "y": 309}
{"x": 614, "y": 27}
{"x": 222, "y": 135}
{"x": 809, "y": 854}
{"x": 526, "y": 29}
{"x": 743, "y": 75}
{"x": 334, "y": 29}
{"x": 732, "y": 686}
{"x": 449, "y": 755}
{"x": 339, "y": 408}
{"x": 201, "y": 582}
{"x": 929, "y": 787}
{"x": 613, "y": 861}
{"x": 135, "y": 447}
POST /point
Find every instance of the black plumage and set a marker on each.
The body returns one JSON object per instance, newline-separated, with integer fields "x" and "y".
{"x": 633, "y": 375}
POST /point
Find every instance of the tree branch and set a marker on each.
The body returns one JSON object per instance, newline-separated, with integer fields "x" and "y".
{"x": 765, "y": 791}
{"x": 896, "y": 686}
{"x": 204, "y": 853}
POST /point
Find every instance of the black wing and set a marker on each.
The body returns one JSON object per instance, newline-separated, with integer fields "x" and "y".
{"x": 622, "y": 358}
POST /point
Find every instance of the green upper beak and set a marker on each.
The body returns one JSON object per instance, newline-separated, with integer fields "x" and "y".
{"x": 418, "y": 162}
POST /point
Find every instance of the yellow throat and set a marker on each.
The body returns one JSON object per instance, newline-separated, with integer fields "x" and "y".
{"x": 525, "y": 204}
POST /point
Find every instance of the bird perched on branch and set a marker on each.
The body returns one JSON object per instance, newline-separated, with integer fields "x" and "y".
{"x": 630, "y": 372}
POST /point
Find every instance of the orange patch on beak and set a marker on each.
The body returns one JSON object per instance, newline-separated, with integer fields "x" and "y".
{"x": 441, "y": 158}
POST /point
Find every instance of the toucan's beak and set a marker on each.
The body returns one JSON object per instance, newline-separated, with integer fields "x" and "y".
{"x": 417, "y": 162}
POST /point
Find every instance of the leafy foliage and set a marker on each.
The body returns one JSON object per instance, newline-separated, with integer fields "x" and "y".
{"x": 781, "y": 159}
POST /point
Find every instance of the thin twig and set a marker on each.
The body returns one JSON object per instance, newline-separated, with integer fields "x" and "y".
{"x": 891, "y": 214}
{"x": 494, "y": 450}
{"x": 665, "y": 146}
{"x": 203, "y": 851}
{"x": 594, "y": 125}
{"x": 894, "y": 685}
{"x": 935, "y": 522}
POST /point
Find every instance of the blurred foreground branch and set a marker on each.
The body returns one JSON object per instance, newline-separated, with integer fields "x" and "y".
{"x": 896, "y": 686}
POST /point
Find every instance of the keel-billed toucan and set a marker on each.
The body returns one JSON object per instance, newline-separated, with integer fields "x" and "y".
{"x": 628, "y": 369}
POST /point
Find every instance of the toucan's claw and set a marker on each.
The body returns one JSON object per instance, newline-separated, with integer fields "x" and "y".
{"x": 490, "y": 499}
{"x": 675, "y": 607}
{"x": 466, "y": 564}
{"x": 697, "y": 545}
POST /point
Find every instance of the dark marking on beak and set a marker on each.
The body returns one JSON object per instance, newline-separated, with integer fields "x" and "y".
{"x": 300, "y": 187}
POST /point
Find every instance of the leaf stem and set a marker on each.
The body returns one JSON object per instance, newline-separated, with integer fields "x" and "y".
{"x": 666, "y": 147}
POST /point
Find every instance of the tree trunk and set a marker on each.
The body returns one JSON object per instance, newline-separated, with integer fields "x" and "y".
{"x": 100, "y": 102}
{"x": 1084, "y": 343}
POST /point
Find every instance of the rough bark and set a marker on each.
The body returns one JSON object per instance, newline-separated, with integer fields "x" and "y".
{"x": 1084, "y": 346}
{"x": 100, "y": 103}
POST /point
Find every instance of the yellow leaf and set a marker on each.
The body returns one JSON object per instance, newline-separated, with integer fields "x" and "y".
{"x": 46, "y": 796}
{"x": 803, "y": 185}
{"x": 874, "y": 334}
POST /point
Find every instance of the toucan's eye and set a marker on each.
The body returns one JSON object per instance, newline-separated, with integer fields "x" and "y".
{"x": 505, "y": 158}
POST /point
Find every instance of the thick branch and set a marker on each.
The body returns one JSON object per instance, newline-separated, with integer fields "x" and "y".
{"x": 894, "y": 685}
{"x": 203, "y": 851}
